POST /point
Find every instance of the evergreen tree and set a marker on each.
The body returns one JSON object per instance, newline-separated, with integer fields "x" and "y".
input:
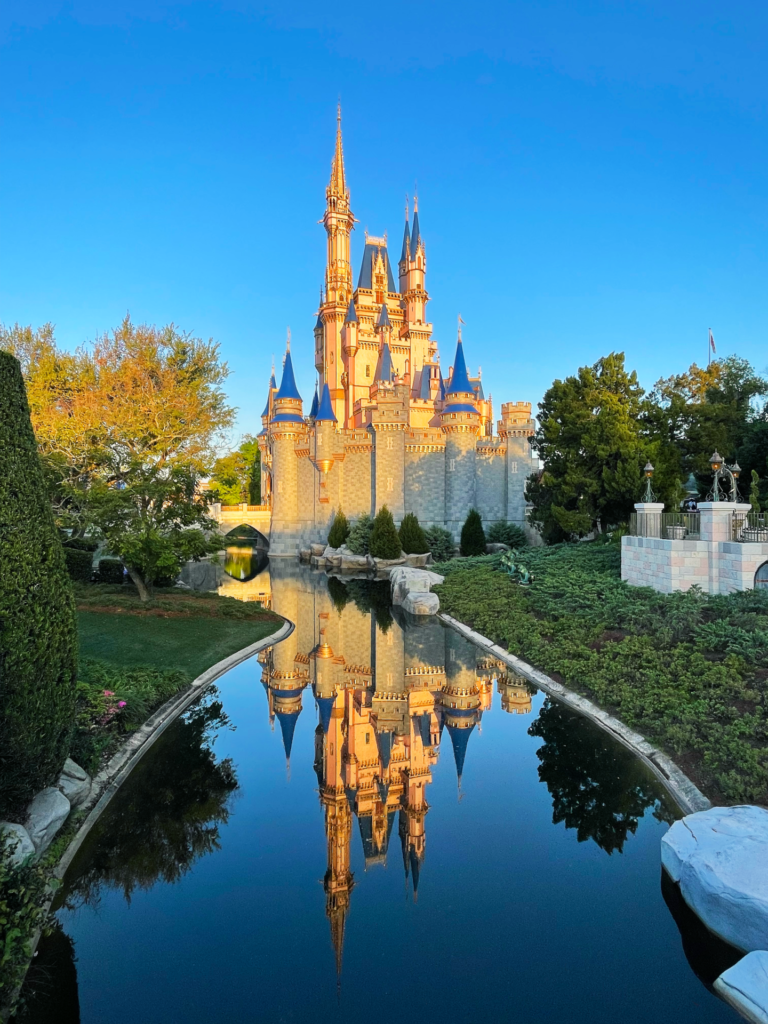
{"x": 754, "y": 492}
{"x": 385, "y": 542}
{"x": 473, "y": 534}
{"x": 339, "y": 530}
{"x": 359, "y": 538}
{"x": 38, "y": 629}
{"x": 412, "y": 539}
{"x": 507, "y": 533}
{"x": 440, "y": 543}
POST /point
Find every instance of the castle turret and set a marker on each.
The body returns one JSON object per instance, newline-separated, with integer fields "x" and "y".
{"x": 285, "y": 428}
{"x": 350, "y": 345}
{"x": 405, "y": 254}
{"x": 413, "y": 286}
{"x": 460, "y": 422}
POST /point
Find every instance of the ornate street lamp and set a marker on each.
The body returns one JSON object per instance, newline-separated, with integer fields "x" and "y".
{"x": 721, "y": 471}
{"x": 648, "y": 494}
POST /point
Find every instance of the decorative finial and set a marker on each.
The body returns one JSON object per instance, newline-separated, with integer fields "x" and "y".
{"x": 459, "y": 325}
{"x": 338, "y": 113}
{"x": 288, "y": 341}
{"x": 406, "y": 206}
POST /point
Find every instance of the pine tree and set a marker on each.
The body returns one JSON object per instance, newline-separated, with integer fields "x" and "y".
{"x": 359, "y": 538}
{"x": 339, "y": 530}
{"x": 507, "y": 533}
{"x": 440, "y": 543}
{"x": 754, "y": 492}
{"x": 412, "y": 539}
{"x": 385, "y": 542}
{"x": 473, "y": 534}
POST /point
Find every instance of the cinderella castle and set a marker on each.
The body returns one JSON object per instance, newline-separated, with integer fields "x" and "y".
{"x": 385, "y": 426}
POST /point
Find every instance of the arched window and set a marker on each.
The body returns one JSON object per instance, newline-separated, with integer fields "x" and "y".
{"x": 761, "y": 577}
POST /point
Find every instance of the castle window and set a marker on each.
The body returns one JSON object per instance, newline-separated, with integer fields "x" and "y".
{"x": 390, "y": 443}
{"x": 390, "y": 483}
{"x": 367, "y": 737}
{"x": 367, "y": 369}
{"x": 513, "y": 467}
{"x": 451, "y": 465}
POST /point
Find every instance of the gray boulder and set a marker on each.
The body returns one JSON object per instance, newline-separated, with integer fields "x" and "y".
{"x": 745, "y": 986}
{"x": 352, "y": 561}
{"x": 421, "y": 604}
{"x": 74, "y": 782}
{"x": 45, "y": 816}
{"x": 418, "y": 560}
{"x": 719, "y": 858}
{"x": 14, "y": 837}
{"x": 406, "y": 580}
{"x": 317, "y": 549}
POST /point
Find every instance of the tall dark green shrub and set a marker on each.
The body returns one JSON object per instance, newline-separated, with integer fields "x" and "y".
{"x": 507, "y": 533}
{"x": 360, "y": 535}
{"x": 38, "y": 630}
{"x": 412, "y": 539}
{"x": 385, "y": 542}
{"x": 472, "y": 534}
{"x": 110, "y": 570}
{"x": 79, "y": 564}
{"x": 339, "y": 530}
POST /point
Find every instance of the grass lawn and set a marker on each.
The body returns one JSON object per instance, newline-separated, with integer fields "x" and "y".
{"x": 687, "y": 670}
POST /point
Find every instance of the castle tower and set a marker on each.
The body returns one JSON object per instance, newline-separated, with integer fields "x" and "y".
{"x": 350, "y": 347}
{"x": 515, "y": 427}
{"x": 285, "y": 428}
{"x": 460, "y": 423}
{"x": 460, "y": 698}
{"x": 339, "y": 222}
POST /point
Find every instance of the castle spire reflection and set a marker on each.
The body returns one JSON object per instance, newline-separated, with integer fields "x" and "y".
{"x": 383, "y": 695}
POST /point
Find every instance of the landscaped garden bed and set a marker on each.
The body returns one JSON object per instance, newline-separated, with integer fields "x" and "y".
{"x": 688, "y": 671}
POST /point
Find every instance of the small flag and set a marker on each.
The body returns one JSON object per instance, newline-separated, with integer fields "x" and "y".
{"x": 461, "y": 321}
{"x": 712, "y": 340}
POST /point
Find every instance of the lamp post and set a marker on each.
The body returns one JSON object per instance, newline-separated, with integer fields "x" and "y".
{"x": 720, "y": 470}
{"x": 648, "y": 494}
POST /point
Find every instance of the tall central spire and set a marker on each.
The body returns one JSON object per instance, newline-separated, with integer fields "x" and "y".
{"x": 338, "y": 183}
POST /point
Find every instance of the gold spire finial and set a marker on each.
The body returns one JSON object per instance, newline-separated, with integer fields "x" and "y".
{"x": 338, "y": 184}
{"x": 288, "y": 341}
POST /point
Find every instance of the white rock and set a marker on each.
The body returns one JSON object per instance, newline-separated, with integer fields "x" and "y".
{"x": 16, "y": 837}
{"x": 317, "y": 549}
{"x": 745, "y": 986}
{"x": 422, "y": 604}
{"x": 720, "y": 859}
{"x": 329, "y": 552}
{"x": 418, "y": 560}
{"x": 45, "y": 816}
{"x": 74, "y": 782}
{"x": 350, "y": 561}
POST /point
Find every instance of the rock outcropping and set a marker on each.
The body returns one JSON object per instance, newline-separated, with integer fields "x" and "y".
{"x": 411, "y": 589}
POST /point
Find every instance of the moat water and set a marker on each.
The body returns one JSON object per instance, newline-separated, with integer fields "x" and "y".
{"x": 371, "y": 820}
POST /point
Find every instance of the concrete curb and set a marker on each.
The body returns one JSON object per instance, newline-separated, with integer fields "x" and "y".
{"x": 678, "y": 785}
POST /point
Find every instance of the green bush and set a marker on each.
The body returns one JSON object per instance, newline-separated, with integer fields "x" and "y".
{"x": 412, "y": 539}
{"x": 23, "y": 895}
{"x": 110, "y": 570}
{"x": 440, "y": 543}
{"x": 79, "y": 564}
{"x": 339, "y": 530}
{"x": 38, "y": 630}
{"x": 359, "y": 539}
{"x": 507, "y": 533}
{"x": 385, "y": 542}
{"x": 473, "y": 535}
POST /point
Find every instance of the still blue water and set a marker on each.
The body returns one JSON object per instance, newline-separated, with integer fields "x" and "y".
{"x": 360, "y": 877}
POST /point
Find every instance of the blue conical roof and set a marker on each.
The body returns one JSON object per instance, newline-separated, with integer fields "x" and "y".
{"x": 385, "y": 369}
{"x": 404, "y": 253}
{"x": 272, "y": 387}
{"x": 383, "y": 320}
{"x": 441, "y": 393}
{"x": 351, "y": 795}
{"x": 459, "y": 741}
{"x": 459, "y": 377}
{"x": 425, "y": 728}
{"x": 415, "y": 869}
{"x": 313, "y": 407}
{"x": 287, "y": 727}
{"x": 384, "y": 740}
{"x": 351, "y": 317}
{"x": 325, "y": 409}
{"x": 288, "y": 387}
{"x": 325, "y": 707}
{"x": 383, "y": 788}
{"x": 319, "y": 322}
{"x": 415, "y": 235}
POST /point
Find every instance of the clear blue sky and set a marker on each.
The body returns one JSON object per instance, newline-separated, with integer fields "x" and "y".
{"x": 591, "y": 175}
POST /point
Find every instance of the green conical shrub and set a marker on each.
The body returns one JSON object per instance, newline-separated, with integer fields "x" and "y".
{"x": 440, "y": 543}
{"x": 339, "y": 530}
{"x": 38, "y": 630}
{"x": 384, "y": 540}
{"x": 507, "y": 533}
{"x": 472, "y": 534}
{"x": 360, "y": 535}
{"x": 412, "y": 539}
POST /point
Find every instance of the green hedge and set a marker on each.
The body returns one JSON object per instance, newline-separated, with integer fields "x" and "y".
{"x": 110, "y": 570}
{"x": 38, "y": 632}
{"x": 79, "y": 564}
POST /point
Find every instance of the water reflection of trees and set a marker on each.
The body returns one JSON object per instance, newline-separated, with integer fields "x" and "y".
{"x": 600, "y": 789}
{"x": 169, "y": 816}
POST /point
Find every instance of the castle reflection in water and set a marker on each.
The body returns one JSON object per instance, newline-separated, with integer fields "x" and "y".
{"x": 385, "y": 692}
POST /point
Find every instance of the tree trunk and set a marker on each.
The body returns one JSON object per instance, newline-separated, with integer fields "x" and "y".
{"x": 144, "y": 591}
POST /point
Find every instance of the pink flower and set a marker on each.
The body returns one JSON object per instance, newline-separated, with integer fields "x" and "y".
{"x": 121, "y": 703}
{"x": 109, "y": 693}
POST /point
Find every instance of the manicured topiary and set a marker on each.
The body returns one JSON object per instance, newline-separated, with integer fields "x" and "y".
{"x": 79, "y": 564}
{"x": 359, "y": 538}
{"x": 440, "y": 543}
{"x": 507, "y": 533}
{"x": 38, "y": 631}
{"x": 472, "y": 534}
{"x": 412, "y": 539}
{"x": 339, "y": 530}
{"x": 80, "y": 543}
{"x": 385, "y": 542}
{"x": 111, "y": 570}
